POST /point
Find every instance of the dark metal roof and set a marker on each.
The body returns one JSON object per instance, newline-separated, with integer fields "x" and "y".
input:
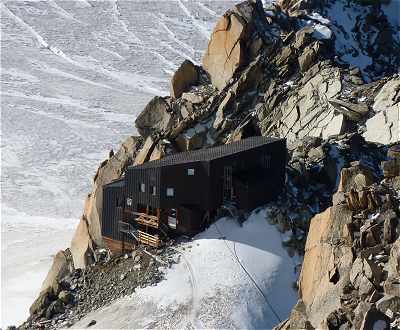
{"x": 118, "y": 183}
{"x": 208, "y": 154}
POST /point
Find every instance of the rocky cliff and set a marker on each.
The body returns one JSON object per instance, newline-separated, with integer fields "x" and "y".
{"x": 329, "y": 84}
{"x": 350, "y": 273}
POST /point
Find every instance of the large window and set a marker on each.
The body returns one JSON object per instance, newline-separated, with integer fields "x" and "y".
{"x": 142, "y": 187}
{"x": 170, "y": 192}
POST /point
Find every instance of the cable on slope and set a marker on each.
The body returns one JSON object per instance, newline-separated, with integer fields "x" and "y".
{"x": 234, "y": 254}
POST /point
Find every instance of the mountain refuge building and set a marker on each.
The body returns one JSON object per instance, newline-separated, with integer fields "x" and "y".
{"x": 180, "y": 194}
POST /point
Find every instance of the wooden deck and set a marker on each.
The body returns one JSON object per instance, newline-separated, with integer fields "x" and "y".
{"x": 145, "y": 219}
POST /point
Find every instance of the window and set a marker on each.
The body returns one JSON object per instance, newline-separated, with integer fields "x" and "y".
{"x": 142, "y": 187}
{"x": 129, "y": 201}
{"x": 190, "y": 171}
{"x": 170, "y": 192}
{"x": 172, "y": 218}
{"x": 153, "y": 190}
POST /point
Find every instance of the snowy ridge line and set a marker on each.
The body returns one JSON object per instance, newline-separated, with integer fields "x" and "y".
{"x": 201, "y": 27}
{"x": 234, "y": 255}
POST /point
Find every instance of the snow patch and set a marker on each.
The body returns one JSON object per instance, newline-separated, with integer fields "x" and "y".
{"x": 217, "y": 283}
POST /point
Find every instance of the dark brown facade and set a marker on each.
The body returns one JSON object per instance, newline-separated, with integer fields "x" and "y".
{"x": 179, "y": 193}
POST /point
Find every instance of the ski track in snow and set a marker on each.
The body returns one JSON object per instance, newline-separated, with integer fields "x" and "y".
{"x": 117, "y": 14}
{"x": 172, "y": 35}
{"x": 195, "y": 22}
{"x": 124, "y": 78}
{"x": 61, "y": 11}
{"x": 207, "y": 10}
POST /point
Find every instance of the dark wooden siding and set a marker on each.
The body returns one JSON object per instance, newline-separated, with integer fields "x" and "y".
{"x": 150, "y": 177}
{"x": 112, "y": 213}
{"x": 190, "y": 220}
{"x": 251, "y": 162}
{"x": 188, "y": 189}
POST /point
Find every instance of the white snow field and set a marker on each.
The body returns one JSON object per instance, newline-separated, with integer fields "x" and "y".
{"x": 229, "y": 277}
{"x": 74, "y": 75}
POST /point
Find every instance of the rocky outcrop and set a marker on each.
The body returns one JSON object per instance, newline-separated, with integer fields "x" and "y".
{"x": 352, "y": 258}
{"x": 186, "y": 76}
{"x": 232, "y": 43}
{"x": 156, "y": 117}
{"x": 328, "y": 255}
{"x": 384, "y": 126}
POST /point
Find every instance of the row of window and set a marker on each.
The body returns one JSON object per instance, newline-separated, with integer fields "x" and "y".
{"x": 169, "y": 191}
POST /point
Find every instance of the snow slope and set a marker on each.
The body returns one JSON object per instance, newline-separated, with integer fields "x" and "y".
{"x": 228, "y": 277}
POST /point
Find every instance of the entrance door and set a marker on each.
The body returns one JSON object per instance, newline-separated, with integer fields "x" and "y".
{"x": 227, "y": 184}
{"x": 172, "y": 218}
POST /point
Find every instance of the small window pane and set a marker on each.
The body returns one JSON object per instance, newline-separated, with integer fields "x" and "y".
{"x": 190, "y": 171}
{"x": 170, "y": 192}
{"x": 129, "y": 201}
{"x": 153, "y": 190}
{"x": 142, "y": 187}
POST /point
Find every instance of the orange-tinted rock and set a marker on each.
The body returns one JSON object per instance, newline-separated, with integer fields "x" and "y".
{"x": 183, "y": 78}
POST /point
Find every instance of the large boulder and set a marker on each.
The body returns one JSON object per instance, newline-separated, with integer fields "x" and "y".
{"x": 305, "y": 110}
{"x": 59, "y": 269}
{"x": 156, "y": 117}
{"x": 81, "y": 244}
{"x": 186, "y": 76}
{"x": 41, "y": 303}
{"x": 384, "y": 127}
{"x": 392, "y": 285}
{"x": 149, "y": 151}
{"x": 326, "y": 265}
{"x": 230, "y": 46}
{"x": 192, "y": 138}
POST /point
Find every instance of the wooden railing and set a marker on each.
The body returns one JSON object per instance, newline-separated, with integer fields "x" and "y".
{"x": 145, "y": 219}
{"x": 152, "y": 240}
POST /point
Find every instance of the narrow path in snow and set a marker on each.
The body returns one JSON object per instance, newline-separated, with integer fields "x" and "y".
{"x": 197, "y": 324}
{"x": 235, "y": 256}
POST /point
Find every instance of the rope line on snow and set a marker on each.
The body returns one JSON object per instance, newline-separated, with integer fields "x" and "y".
{"x": 234, "y": 254}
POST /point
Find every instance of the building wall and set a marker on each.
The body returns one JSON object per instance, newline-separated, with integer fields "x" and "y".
{"x": 188, "y": 189}
{"x": 112, "y": 213}
{"x": 254, "y": 162}
{"x": 190, "y": 220}
{"x": 150, "y": 177}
